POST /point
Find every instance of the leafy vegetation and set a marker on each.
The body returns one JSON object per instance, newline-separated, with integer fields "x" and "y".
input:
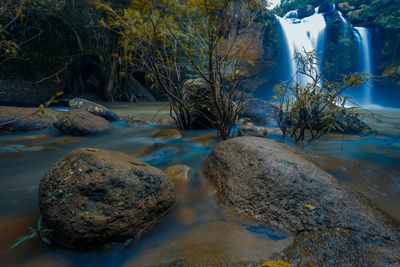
{"x": 35, "y": 232}
{"x": 162, "y": 36}
{"x": 312, "y": 110}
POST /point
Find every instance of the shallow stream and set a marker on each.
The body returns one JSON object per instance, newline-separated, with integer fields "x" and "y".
{"x": 198, "y": 230}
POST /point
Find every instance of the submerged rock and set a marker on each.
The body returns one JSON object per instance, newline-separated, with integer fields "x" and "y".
{"x": 160, "y": 151}
{"x": 79, "y": 122}
{"x": 251, "y": 130}
{"x": 23, "y": 148}
{"x": 276, "y": 185}
{"x": 136, "y": 121}
{"x": 94, "y": 108}
{"x": 25, "y": 119}
{"x": 168, "y": 134}
{"x": 179, "y": 174}
{"x": 259, "y": 111}
{"x": 92, "y": 197}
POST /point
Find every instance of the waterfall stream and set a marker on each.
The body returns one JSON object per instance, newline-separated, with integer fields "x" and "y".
{"x": 302, "y": 34}
{"x": 363, "y": 38}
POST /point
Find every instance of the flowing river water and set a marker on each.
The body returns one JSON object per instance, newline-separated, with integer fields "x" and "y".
{"x": 198, "y": 230}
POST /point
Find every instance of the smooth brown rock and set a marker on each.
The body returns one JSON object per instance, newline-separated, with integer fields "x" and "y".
{"x": 251, "y": 130}
{"x": 92, "y": 197}
{"x": 79, "y": 122}
{"x": 179, "y": 174}
{"x": 25, "y": 119}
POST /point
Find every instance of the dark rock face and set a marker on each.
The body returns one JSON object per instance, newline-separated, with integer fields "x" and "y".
{"x": 16, "y": 92}
{"x": 306, "y": 11}
{"x": 79, "y": 122}
{"x": 354, "y": 16}
{"x": 140, "y": 93}
{"x": 94, "y": 108}
{"x": 93, "y": 197}
{"x": 197, "y": 98}
{"x": 276, "y": 185}
{"x": 24, "y": 119}
{"x": 326, "y": 7}
{"x": 251, "y": 130}
{"x": 259, "y": 111}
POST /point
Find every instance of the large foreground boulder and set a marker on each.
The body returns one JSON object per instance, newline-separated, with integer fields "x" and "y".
{"x": 14, "y": 119}
{"x": 79, "y": 122}
{"x": 259, "y": 111}
{"x": 275, "y": 184}
{"x": 94, "y": 108}
{"x": 92, "y": 197}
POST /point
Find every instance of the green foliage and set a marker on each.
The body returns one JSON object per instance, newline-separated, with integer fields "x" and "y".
{"x": 35, "y": 232}
{"x": 310, "y": 111}
{"x": 382, "y": 13}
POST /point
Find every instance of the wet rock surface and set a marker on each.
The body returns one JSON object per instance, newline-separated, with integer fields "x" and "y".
{"x": 197, "y": 96}
{"x": 93, "y": 197}
{"x": 24, "y": 119}
{"x": 251, "y": 130}
{"x": 276, "y": 185}
{"x": 259, "y": 111}
{"x": 79, "y": 122}
{"x": 134, "y": 121}
{"x": 179, "y": 174}
{"x": 94, "y": 108}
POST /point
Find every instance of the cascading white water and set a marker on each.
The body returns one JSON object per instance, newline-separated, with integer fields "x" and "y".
{"x": 302, "y": 34}
{"x": 363, "y": 38}
{"x": 310, "y": 34}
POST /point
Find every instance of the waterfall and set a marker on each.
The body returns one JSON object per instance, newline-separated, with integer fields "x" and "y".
{"x": 363, "y": 38}
{"x": 302, "y": 34}
{"x": 309, "y": 33}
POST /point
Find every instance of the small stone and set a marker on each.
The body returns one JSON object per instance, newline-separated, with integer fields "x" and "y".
{"x": 94, "y": 108}
{"x": 179, "y": 174}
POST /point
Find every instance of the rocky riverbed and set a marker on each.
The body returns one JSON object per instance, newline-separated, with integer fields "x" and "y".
{"x": 261, "y": 212}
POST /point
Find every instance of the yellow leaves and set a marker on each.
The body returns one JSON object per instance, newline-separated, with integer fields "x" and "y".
{"x": 19, "y": 13}
{"x": 310, "y": 207}
{"x": 122, "y": 74}
{"x": 277, "y": 263}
